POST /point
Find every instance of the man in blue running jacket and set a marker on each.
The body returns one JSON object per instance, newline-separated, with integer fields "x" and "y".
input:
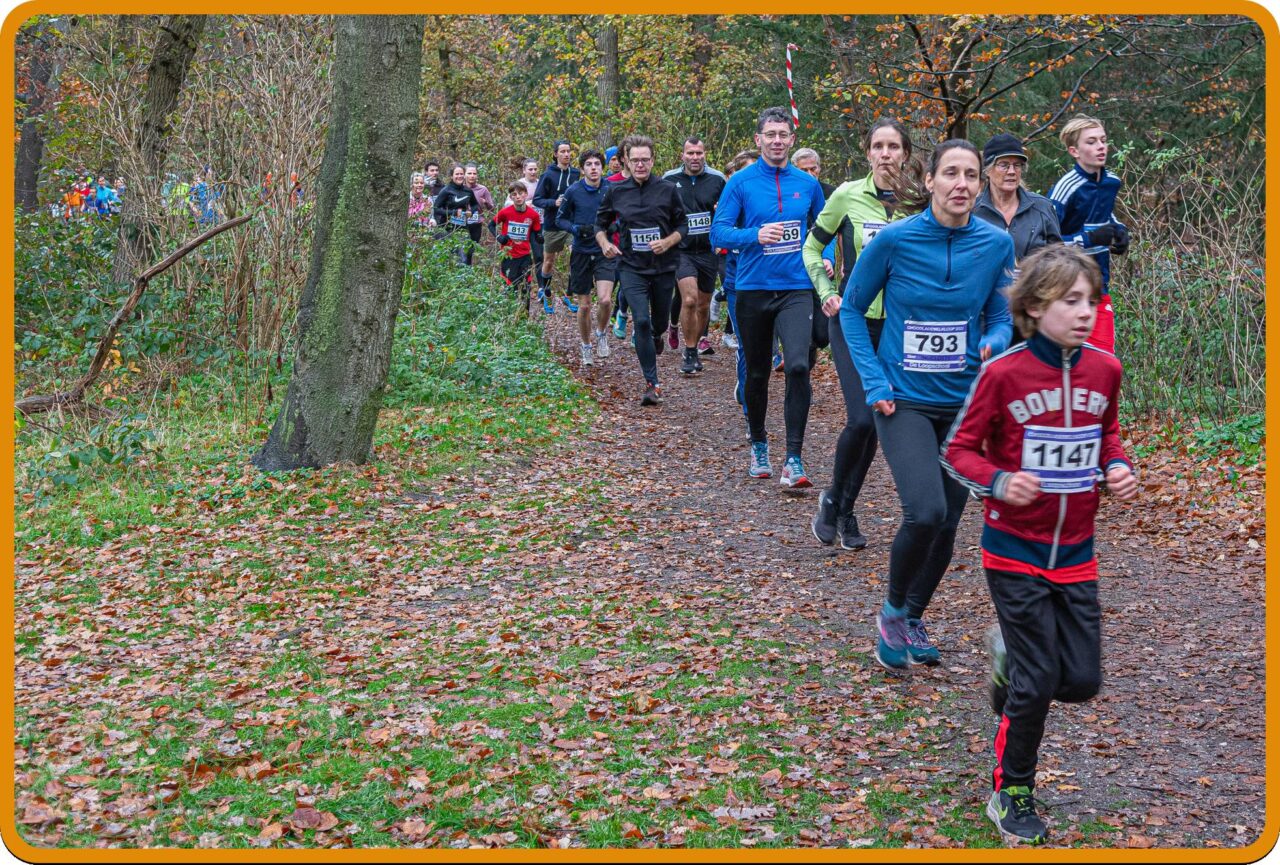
{"x": 764, "y": 213}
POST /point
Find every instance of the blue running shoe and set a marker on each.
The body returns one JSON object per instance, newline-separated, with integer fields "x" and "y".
{"x": 760, "y": 467}
{"x": 569, "y": 304}
{"x": 547, "y": 306}
{"x": 891, "y": 648}
{"x": 620, "y": 326}
{"x": 921, "y": 650}
{"x": 793, "y": 474}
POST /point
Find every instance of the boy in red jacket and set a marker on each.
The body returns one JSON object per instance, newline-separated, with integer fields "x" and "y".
{"x": 1037, "y": 433}
{"x": 515, "y": 226}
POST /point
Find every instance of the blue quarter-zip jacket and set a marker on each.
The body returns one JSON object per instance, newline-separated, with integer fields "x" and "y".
{"x": 754, "y": 196}
{"x": 940, "y": 279}
{"x": 578, "y": 215}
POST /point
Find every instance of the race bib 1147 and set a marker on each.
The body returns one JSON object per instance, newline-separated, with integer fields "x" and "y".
{"x": 1065, "y": 460}
{"x": 791, "y": 237}
{"x": 934, "y": 346}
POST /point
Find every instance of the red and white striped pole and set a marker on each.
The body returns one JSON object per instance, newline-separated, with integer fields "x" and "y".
{"x": 795, "y": 112}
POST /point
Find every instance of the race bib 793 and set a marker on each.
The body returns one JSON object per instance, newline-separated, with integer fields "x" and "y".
{"x": 934, "y": 346}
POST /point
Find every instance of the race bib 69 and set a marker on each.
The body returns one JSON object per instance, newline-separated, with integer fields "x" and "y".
{"x": 791, "y": 236}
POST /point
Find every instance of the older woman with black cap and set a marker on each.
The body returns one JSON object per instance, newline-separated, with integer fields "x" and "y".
{"x": 1008, "y": 205}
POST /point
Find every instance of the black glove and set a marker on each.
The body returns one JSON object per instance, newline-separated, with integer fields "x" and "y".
{"x": 1102, "y": 235}
{"x": 1120, "y": 245}
{"x": 719, "y": 295}
{"x": 586, "y": 232}
{"x": 504, "y": 238}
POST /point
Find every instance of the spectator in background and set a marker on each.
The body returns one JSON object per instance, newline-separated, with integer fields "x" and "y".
{"x": 419, "y": 201}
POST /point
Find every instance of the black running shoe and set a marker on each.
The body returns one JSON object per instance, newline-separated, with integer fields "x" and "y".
{"x": 658, "y": 345}
{"x": 850, "y": 536}
{"x": 652, "y": 395}
{"x": 824, "y": 521}
{"x": 1013, "y": 810}
{"x": 690, "y": 363}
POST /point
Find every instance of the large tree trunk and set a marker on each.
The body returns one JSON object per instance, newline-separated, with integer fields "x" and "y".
{"x": 42, "y": 74}
{"x": 175, "y": 49}
{"x": 347, "y": 314}
{"x": 607, "y": 83}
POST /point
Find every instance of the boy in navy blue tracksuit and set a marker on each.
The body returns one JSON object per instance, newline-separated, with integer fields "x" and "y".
{"x": 589, "y": 269}
{"x": 1084, "y": 199}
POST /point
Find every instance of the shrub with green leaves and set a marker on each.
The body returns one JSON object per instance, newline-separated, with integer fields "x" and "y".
{"x": 462, "y": 332}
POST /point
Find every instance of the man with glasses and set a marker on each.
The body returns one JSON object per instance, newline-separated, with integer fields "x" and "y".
{"x": 650, "y": 221}
{"x": 764, "y": 213}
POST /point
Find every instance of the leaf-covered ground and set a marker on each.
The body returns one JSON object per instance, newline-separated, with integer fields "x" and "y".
{"x": 615, "y": 639}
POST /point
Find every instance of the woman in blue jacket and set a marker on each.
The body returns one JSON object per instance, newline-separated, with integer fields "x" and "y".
{"x": 943, "y": 275}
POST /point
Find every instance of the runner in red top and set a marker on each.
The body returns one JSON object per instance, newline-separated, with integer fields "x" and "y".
{"x": 1037, "y": 434}
{"x": 516, "y": 226}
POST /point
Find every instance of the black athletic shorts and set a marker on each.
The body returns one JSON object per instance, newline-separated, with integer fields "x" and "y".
{"x": 702, "y": 265}
{"x": 517, "y": 271}
{"x": 588, "y": 268}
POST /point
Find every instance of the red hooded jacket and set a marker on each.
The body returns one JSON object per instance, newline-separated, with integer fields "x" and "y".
{"x": 1050, "y": 411}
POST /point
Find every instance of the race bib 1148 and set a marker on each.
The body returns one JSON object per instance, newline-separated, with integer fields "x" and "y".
{"x": 699, "y": 223}
{"x": 934, "y": 346}
{"x": 1065, "y": 460}
{"x": 791, "y": 237}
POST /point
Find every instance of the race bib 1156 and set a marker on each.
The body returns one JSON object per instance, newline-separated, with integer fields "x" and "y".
{"x": 641, "y": 238}
{"x": 934, "y": 346}
{"x": 1065, "y": 460}
{"x": 791, "y": 237}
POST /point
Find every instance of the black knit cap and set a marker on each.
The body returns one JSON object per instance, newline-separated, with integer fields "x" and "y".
{"x": 1003, "y": 144}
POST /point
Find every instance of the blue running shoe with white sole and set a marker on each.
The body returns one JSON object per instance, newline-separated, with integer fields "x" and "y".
{"x": 760, "y": 467}
{"x": 620, "y": 326}
{"x": 793, "y": 474}
{"x": 569, "y": 304}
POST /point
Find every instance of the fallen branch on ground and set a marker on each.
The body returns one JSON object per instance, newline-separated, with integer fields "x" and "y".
{"x": 34, "y": 404}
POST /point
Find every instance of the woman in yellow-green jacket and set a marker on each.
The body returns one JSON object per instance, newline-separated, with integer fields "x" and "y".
{"x": 869, "y": 205}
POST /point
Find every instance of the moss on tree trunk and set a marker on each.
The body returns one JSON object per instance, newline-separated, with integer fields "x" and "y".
{"x": 347, "y": 313}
